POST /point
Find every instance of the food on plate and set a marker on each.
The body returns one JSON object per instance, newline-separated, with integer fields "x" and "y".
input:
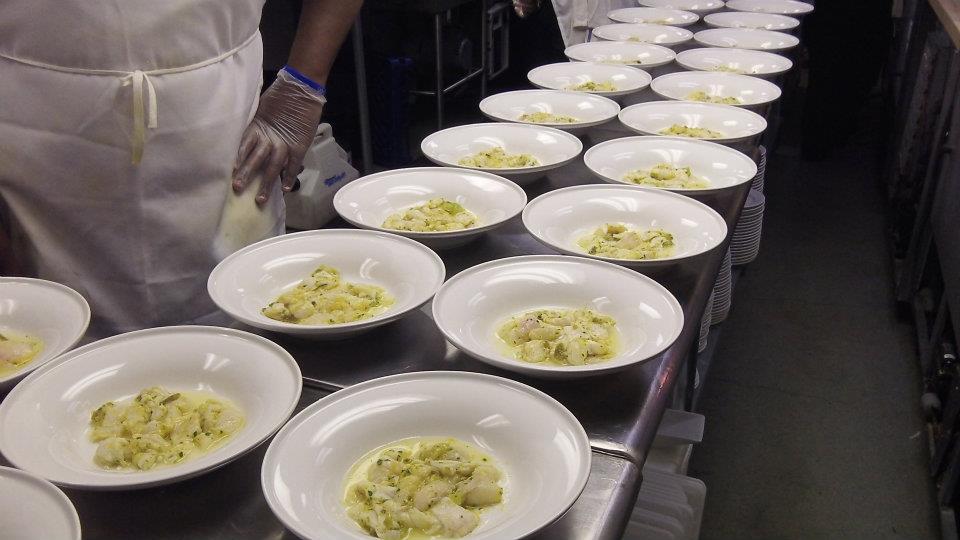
{"x": 682, "y": 130}
{"x": 621, "y": 242}
{"x": 323, "y": 298}
{"x": 159, "y": 427}
{"x": 636, "y": 39}
{"x": 548, "y": 118}
{"x": 498, "y": 158}
{"x": 435, "y": 215}
{"x": 17, "y": 350}
{"x": 422, "y": 487}
{"x": 627, "y": 61}
{"x": 700, "y": 95}
{"x": 594, "y": 86}
{"x": 665, "y": 175}
{"x": 560, "y": 337}
{"x": 726, "y": 68}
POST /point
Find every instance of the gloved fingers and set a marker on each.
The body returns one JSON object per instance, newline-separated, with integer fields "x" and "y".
{"x": 251, "y": 164}
{"x": 272, "y": 168}
{"x": 290, "y": 173}
{"x": 251, "y": 136}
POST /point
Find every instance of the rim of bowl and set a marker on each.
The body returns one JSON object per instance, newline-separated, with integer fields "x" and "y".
{"x": 594, "y": 44}
{"x": 505, "y": 125}
{"x": 704, "y": 74}
{"x": 548, "y": 91}
{"x": 338, "y": 202}
{"x": 719, "y": 106}
{"x": 53, "y": 490}
{"x": 690, "y": 52}
{"x": 299, "y": 329}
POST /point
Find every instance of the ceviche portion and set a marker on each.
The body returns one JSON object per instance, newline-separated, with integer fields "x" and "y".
{"x": 664, "y": 175}
{"x": 422, "y": 487}
{"x": 159, "y": 427}
{"x": 324, "y": 298}
{"x": 618, "y": 241}
{"x": 561, "y": 337}
{"x": 498, "y": 158}
{"x": 682, "y": 130}
{"x": 548, "y": 118}
{"x": 435, "y": 215}
{"x": 594, "y": 86}
{"x": 700, "y": 95}
{"x": 17, "y": 350}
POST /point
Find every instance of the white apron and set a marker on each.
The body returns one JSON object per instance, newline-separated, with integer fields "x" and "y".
{"x": 119, "y": 127}
{"x": 576, "y": 17}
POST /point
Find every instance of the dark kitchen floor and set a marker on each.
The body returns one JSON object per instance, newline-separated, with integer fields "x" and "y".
{"x": 813, "y": 425}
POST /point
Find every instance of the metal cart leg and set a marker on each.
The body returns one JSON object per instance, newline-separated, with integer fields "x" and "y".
{"x": 360, "y": 66}
{"x": 438, "y": 44}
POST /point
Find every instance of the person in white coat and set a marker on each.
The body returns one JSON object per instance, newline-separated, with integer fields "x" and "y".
{"x": 127, "y": 131}
{"x": 575, "y": 17}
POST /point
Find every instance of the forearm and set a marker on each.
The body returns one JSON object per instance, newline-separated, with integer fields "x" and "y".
{"x": 323, "y": 26}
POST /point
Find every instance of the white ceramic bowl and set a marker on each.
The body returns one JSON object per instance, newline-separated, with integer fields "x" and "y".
{"x": 590, "y": 110}
{"x": 721, "y": 166}
{"x": 55, "y": 313}
{"x": 32, "y": 508}
{"x": 563, "y": 75}
{"x": 628, "y": 53}
{"x": 248, "y": 280}
{"x": 470, "y": 307}
{"x": 538, "y": 444}
{"x": 695, "y": 6}
{"x": 752, "y": 91}
{"x": 759, "y": 21}
{"x": 659, "y": 34}
{"x": 746, "y": 38}
{"x": 735, "y": 123}
{"x": 552, "y": 147}
{"x": 45, "y": 420}
{"x": 778, "y": 7}
{"x": 746, "y": 62}
{"x": 368, "y": 201}
{"x": 649, "y": 15}
{"x": 560, "y": 218}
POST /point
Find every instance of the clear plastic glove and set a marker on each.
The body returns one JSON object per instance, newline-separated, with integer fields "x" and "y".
{"x": 278, "y": 136}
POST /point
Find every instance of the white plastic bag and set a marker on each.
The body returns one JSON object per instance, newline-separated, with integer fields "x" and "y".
{"x": 326, "y": 169}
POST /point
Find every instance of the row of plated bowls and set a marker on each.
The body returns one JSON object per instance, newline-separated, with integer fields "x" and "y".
{"x": 784, "y": 21}
{"x": 671, "y": 36}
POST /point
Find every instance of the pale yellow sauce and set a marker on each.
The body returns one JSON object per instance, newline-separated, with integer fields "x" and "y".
{"x": 17, "y": 350}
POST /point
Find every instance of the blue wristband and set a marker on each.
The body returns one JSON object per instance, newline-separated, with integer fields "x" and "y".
{"x": 319, "y": 88}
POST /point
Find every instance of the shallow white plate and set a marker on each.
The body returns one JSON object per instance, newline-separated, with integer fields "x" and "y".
{"x": 746, "y": 38}
{"x": 589, "y": 109}
{"x": 621, "y": 53}
{"x": 246, "y": 281}
{"x": 659, "y": 34}
{"x": 55, "y": 313}
{"x": 538, "y": 444}
{"x": 752, "y": 91}
{"x": 368, "y": 201}
{"x": 470, "y": 307}
{"x": 696, "y": 6}
{"x": 779, "y": 7}
{"x": 721, "y": 166}
{"x": 560, "y": 218}
{"x": 563, "y": 75}
{"x": 748, "y": 62}
{"x": 648, "y": 15}
{"x": 45, "y": 419}
{"x": 553, "y": 147}
{"x": 32, "y": 508}
{"x": 743, "y": 19}
{"x": 735, "y": 123}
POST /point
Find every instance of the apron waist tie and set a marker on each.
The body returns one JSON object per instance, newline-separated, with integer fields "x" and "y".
{"x": 145, "y": 111}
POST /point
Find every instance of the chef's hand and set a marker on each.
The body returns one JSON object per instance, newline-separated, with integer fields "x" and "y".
{"x": 278, "y": 137}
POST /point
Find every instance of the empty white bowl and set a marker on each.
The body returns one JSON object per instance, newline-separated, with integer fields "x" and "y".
{"x": 539, "y": 445}
{"x": 562, "y": 217}
{"x": 695, "y": 6}
{"x": 628, "y": 53}
{"x": 752, "y": 91}
{"x": 648, "y": 15}
{"x": 44, "y": 421}
{"x": 248, "y": 280}
{"x": 31, "y": 508}
{"x": 659, "y": 34}
{"x": 472, "y": 305}
{"x": 719, "y": 165}
{"x": 744, "y": 19}
{"x": 564, "y": 75}
{"x": 779, "y": 7}
{"x": 552, "y": 147}
{"x": 589, "y": 110}
{"x": 735, "y": 123}
{"x": 745, "y": 62}
{"x": 368, "y": 201}
{"x": 746, "y": 38}
{"x": 54, "y": 313}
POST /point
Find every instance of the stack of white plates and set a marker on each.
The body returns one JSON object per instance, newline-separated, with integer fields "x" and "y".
{"x": 758, "y": 180}
{"x": 745, "y": 243}
{"x": 722, "y": 292}
{"x": 705, "y": 324}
